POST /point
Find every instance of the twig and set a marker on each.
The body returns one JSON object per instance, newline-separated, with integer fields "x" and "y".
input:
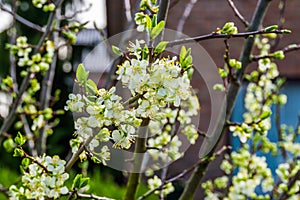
{"x": 45, "y": 95}
{"x": 215, "y": 35}
{"x": 173, "y": 4}
{"x": 237, "y": 13}
{"x": 163, "y": 178}
{"x": 29, "y": 136}
{"x": 76, "y": 13}
{"x": 22, "y": 20}
{"x": 282, "y": 6}
{"x": 185, "y": 15}
{"x": 92, "y": 196}
{"x": 75, "y": 156}
{"x": 287, "y": 49}
{"x": 186, "y": 171}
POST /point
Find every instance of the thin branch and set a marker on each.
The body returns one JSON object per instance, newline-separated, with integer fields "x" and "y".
{"x": 75, "y": 156}
{"x": 185, "y": 15}
{"x": 281, "y": 20}
{"x": 237, "y": 13}
{"x": 76, "y": 13}
{"x": 22, "y": 20}
{"x": 13, "y": 37}
{"x": 173, "y": 4}
{"x": 45, "y": 95}
{"x": 215, "y": 35}
{"x": 92, "y": 196}
{"x": 184, "y": 172}
{"x": 29, "y": 136}
{"x": 287, "y": 49}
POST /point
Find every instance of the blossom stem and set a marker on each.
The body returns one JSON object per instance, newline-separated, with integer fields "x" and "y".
{"x": 75, "y": 156}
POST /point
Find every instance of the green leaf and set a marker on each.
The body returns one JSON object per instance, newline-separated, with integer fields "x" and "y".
{"x": 182, "y": 54}
{"x": 154, "y": 20}
{"x": 84, "y": 182}
{"x": 157, "y": 30}
{"x": 18, "y": 152}
{"x": 271, "y": 28}
{"x": 81, "y": 74}
{"x": 116, "y": 50}
{"x": 265, "y": 115}
{"x": 145, "y": 52}
{"x": 25, "y": 162}
{"x": 91, "y": 87}
{"x": 80, "y": 182}
{"x": 19, "y": 139}
{"x": 148, "y": 23}
{"x": 77, "y": 181}
{"x": 160, "y": 47}
{"x": 190, "y": 73}
{"x": 229, "y": 28}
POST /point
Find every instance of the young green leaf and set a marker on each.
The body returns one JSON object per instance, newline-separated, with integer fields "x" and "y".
{"x": 20, "y": 140}
{"x": 157, "y": 30}
{"x": 154, "y": 20}
{"x": 145, "y": 52}
{"x": 265, "y": 115}
{"x": 116, "y": 50}
{"x": 84, "y": 182}
{"x": 18, "y": 152}
{"x": 271, "y": 28}
{"x": 81, "y": 74}
{"x": 77, "y": 181}
{"x": 91, "y": 87}
{"x": 160, "y": 47}
{"x": 182, "y": 54}
{"x": 148, "y": 23}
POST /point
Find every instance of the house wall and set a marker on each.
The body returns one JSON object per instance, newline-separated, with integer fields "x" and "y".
{"x": 207, "y": 15}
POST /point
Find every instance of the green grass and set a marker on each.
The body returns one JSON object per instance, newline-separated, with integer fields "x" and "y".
{"x": 7, "y": 178}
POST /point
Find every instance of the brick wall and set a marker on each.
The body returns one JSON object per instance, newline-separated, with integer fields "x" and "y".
{"x": 209, "y": 14}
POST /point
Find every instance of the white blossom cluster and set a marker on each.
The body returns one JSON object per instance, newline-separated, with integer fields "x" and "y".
{"x": 45, "y": 178}
{"x": 104, "y": 111}
{"x": 161, "y": 84}
{"x": 250, "y": 172}
{"x": 156, "y": 182}
{"x": 285, "y": 172}
{"x": 262, "y": 92}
